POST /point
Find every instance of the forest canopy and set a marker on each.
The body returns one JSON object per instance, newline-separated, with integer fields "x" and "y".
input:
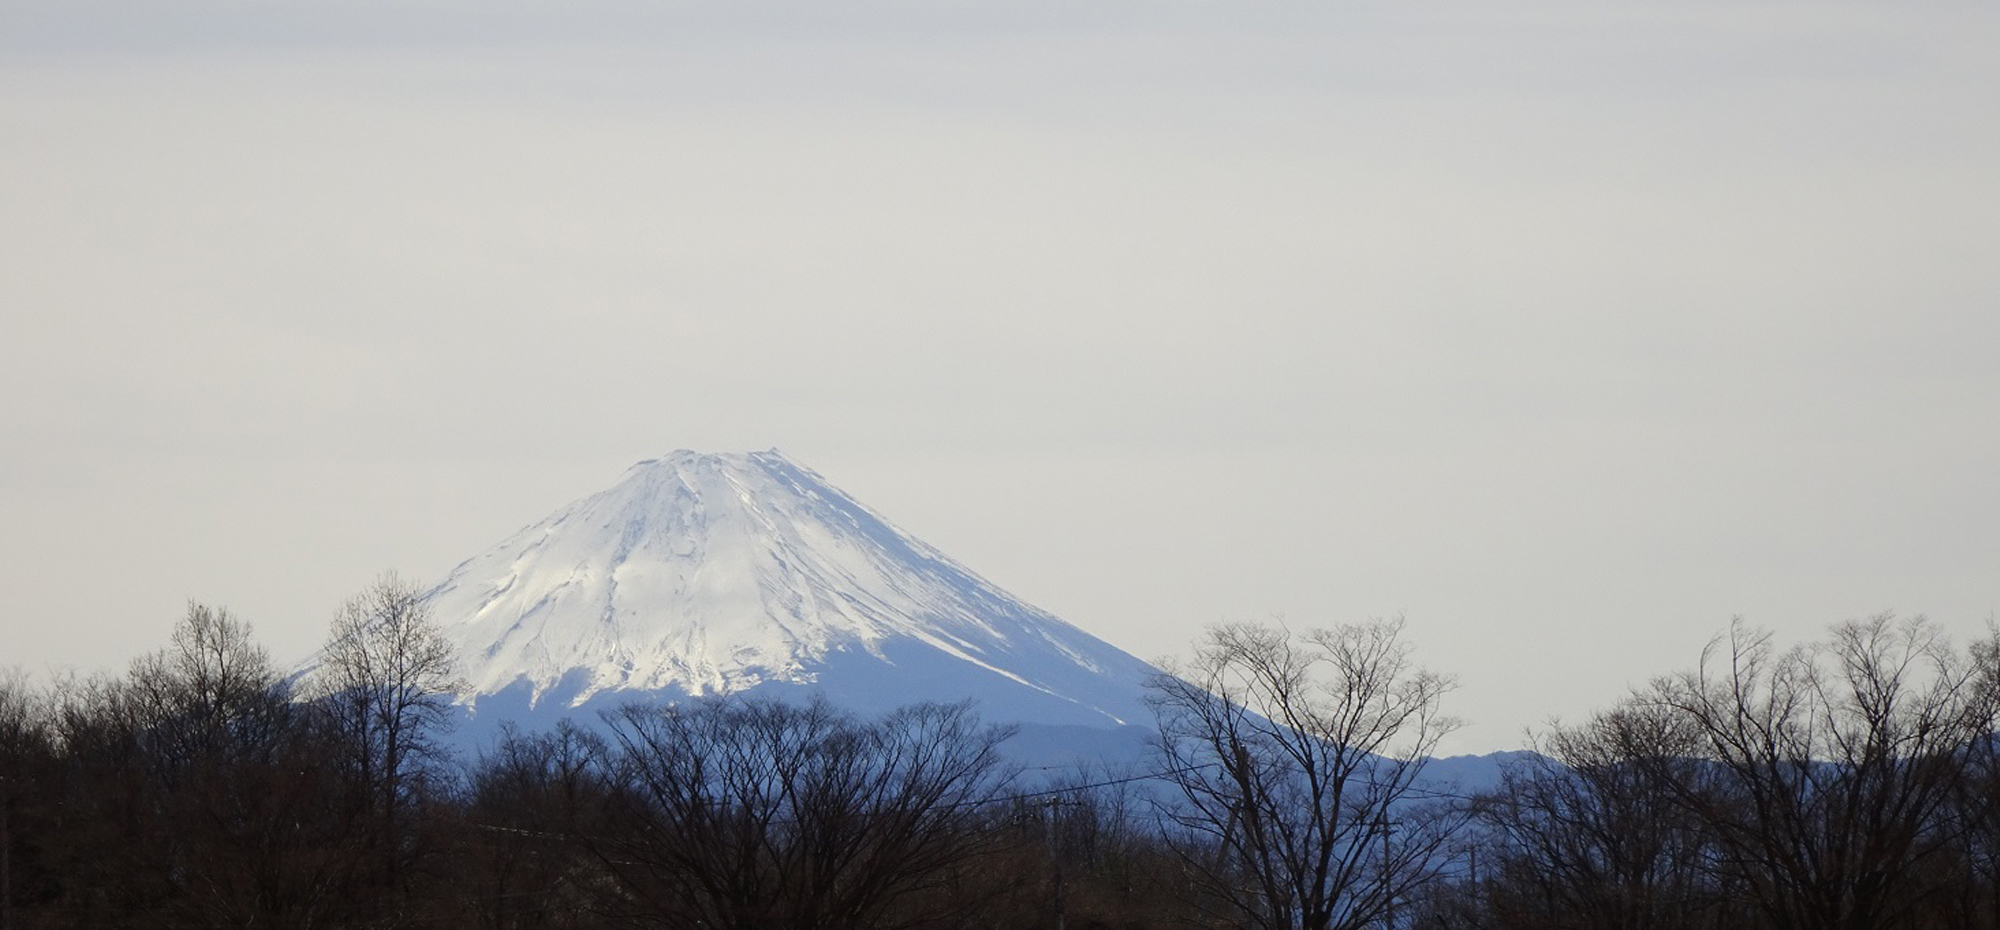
{"x": 1849, "y": 782}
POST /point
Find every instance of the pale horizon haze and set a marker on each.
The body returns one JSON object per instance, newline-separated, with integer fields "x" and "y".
{"x": 1565, "y": 331}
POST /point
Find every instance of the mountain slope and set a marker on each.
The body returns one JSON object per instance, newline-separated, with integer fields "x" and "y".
{"x": 711, "y": 574}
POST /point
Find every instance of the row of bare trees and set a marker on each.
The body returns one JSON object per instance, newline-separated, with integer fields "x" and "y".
{"x": 1847, "y": 784}
{"x": 205, "y": 788}
{"x": 743, "y": 813}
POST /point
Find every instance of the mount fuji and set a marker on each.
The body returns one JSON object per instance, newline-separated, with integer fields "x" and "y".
{"x": 709, "y": 574}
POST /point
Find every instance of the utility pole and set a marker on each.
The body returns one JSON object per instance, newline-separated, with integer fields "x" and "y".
{"x": 1388, "y": 880}
{"x": 1055, "y": 859}
{"x": 1472, "y": 860}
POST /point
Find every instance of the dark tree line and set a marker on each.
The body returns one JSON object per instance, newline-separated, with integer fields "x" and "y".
{"x": 200, "y": 789}
{"x": 204, "y": 788}
{"x": 1848, "y": 784}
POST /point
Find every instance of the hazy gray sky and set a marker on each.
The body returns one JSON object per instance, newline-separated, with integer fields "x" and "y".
{"x": 1567, "y": 330}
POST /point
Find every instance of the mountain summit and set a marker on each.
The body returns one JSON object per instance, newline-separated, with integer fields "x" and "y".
{"x": 714, "y": 574}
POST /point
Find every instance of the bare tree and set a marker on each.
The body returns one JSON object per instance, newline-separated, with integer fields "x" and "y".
{"x": 1979, "y": 804}
{"x": 26, "y": 747}
{"x": 518, "y": 866}
{"x": 1297, "y": 760}
{"x": 1829, "y": 770}
{"x": 212, "y": 690}
{"x": 385, "y": 681}
{"x": 1579, "y": 836}
{"x": 730, "y": 813}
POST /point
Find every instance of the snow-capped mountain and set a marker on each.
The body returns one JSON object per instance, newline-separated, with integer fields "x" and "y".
{"x": 712, "y": 574}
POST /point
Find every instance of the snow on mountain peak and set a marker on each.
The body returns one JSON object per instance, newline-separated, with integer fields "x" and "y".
{"x": 715, "y": 573}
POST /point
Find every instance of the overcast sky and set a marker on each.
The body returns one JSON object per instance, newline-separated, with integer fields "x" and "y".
{"x": 1566, "y": 330}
